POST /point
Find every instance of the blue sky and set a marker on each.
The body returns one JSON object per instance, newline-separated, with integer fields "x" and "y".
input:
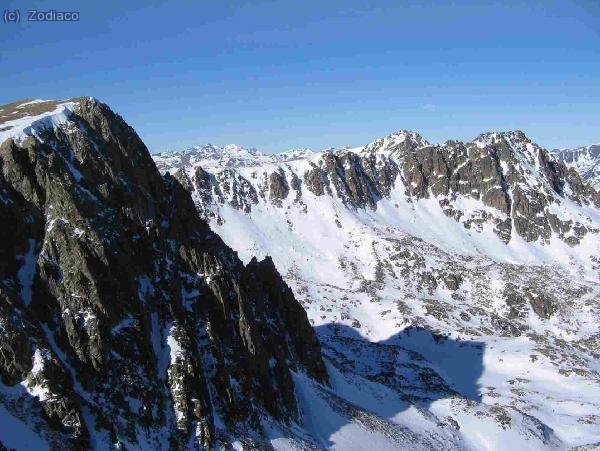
{"x": 281, "y": 75}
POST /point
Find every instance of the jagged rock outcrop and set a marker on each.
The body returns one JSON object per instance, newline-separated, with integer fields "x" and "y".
{"x": 497, "y": 169}
{"x": 124, "y": 318}
{"x": 350, "y": 180}
{"x": 316, "y": 180}
{"x": 278, "y": 187}
{"x": 585, "y": 160}
{"x": 520, "y": 187}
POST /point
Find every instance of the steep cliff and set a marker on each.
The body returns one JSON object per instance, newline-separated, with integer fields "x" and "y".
{"x": 124, "y": 320}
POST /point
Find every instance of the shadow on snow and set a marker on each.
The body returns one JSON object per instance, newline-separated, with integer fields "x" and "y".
{"x": 414, "y": 367}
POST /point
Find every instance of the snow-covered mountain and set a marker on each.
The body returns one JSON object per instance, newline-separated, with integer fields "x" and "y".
{"x": 586, "y": 160}
{"x": 454, "y": 288}
{"x": 453, "y": 292}
{"x": 211, "y": 156}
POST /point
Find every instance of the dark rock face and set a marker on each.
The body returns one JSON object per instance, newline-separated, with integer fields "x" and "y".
{"x": 316, "y": 180}
{"x": 239, "y": 192}
{"x": 355, "y": 181}
{"x": 122, "y": 307}
{"x": 278, "y": 187}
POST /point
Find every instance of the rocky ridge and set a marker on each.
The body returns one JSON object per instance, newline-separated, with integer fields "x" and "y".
{"x": 521, "y": 188}
{"x": 124, "y": 320}
{"x": 480, "y": 258}
{"x": 586, "y": 160}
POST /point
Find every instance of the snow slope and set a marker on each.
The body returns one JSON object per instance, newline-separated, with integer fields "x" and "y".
{"x": 437, "y": 332}
{"x": 32, "y": 118}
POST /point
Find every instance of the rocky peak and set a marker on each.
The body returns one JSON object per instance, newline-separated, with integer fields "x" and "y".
{"x": 293, "y": 154}
{"x": 123, "y": 318}
{"x": 207, "y": 156}
{"x": 491, "y": 138}
{"x": 403, "y": 140}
